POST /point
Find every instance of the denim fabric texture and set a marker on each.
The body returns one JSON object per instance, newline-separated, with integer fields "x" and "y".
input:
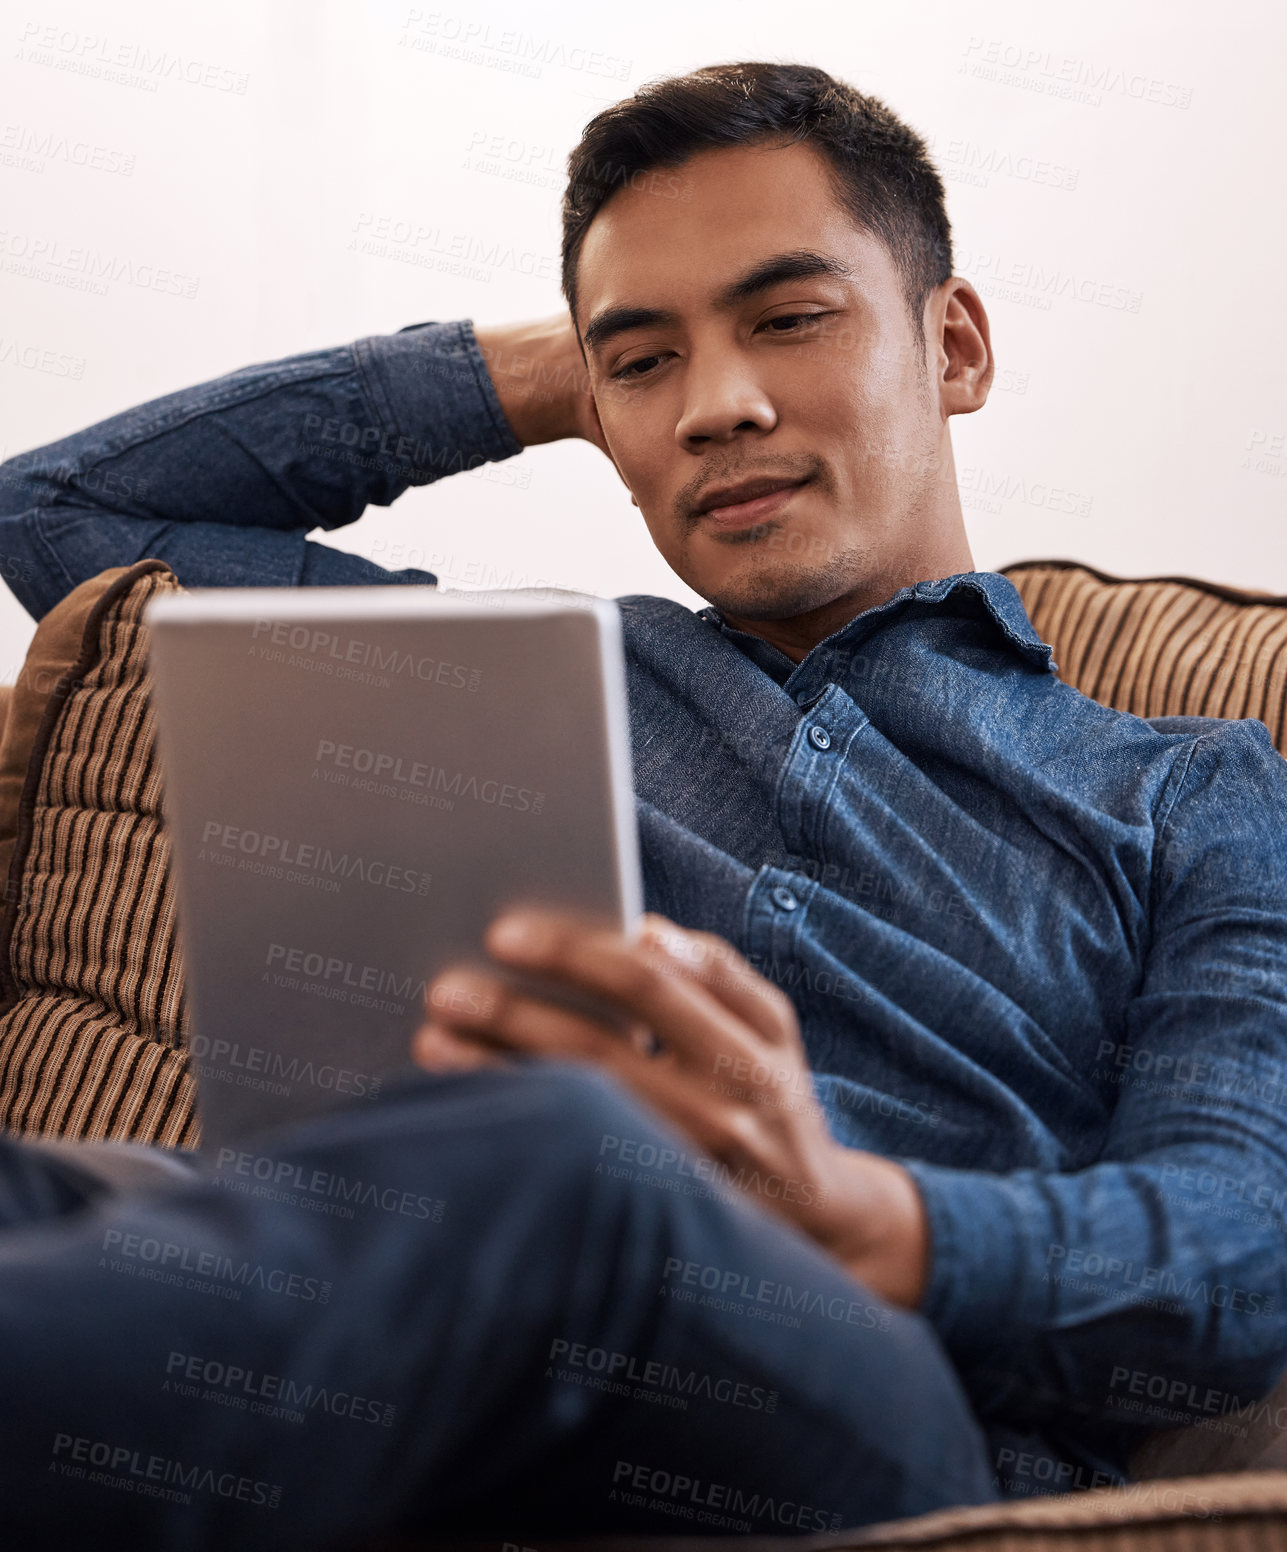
{"x": 1038, "y": 947}
{"x": 189, "y": 1367}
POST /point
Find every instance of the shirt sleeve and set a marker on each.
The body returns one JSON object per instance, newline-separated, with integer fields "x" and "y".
{"x": 36, "y": 1187}
{"x": 1159, "y": 1271}
{"x": 225, "y": 480}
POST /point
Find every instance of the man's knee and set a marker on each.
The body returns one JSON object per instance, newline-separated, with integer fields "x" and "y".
{"x": 593, "y": 1116}
{"x": 527, "y": 1113}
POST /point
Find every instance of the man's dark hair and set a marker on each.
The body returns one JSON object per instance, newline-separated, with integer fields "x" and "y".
{"x": 882, "y": 173}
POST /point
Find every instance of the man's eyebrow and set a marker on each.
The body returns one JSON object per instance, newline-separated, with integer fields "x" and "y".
{"x": 801, "y": 264}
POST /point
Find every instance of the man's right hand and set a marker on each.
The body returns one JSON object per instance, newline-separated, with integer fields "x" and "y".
{"x": 541, "y": 380}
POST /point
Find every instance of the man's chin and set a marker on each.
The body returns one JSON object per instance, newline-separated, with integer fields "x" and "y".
{"x": 779, "y": 596}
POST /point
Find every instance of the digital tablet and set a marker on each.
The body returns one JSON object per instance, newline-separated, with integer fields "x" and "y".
{"x": 355, "y": 782}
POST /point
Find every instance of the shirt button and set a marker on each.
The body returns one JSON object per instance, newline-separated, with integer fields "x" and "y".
{"x": 819, "y": 737}
{"x": 783, "y": 897}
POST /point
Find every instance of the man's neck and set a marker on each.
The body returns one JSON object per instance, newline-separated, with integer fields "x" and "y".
{"x": 797, "y": 635}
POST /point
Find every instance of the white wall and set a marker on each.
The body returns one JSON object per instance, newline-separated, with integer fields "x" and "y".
{"x": 1118, "y": 150}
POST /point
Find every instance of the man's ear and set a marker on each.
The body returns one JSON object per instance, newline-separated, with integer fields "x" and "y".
{"x": 960, "y": 344}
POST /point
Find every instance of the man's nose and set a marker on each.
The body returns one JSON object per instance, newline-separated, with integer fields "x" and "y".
{"x": 723, "y": 397}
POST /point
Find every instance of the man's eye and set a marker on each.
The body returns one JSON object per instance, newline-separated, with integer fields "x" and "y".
{"x": 629, "y": 369}
{"x": 632, "y": 368}
{"x": 792, "y": 318}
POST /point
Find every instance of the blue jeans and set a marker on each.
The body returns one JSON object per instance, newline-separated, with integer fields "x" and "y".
{"x": 480, "y": 1304}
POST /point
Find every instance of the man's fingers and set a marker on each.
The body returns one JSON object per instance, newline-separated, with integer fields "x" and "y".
{"x": 713, "y": 963}
{"x": 441, "y": 1050}
{"x": 688, "y": 1019}
{"x": 494, "y": 1015}
{"x": 507, "y": 1021}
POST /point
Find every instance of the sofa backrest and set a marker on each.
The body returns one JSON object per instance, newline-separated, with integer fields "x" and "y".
{"x": 1161, "y": 646}
{"x": 92, "y": 1009}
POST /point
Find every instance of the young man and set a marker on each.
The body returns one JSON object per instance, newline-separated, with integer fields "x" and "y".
{"x": 897, "y": 862}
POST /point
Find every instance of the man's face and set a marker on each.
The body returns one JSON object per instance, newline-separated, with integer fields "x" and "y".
{"x": 820, "y": 379}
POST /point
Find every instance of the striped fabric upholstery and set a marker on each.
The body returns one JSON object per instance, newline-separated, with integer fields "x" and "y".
{"x": 1246, "y": 1512}
{"x": 92, "y": 1013}
{"x": 91, "y": 1033}
{"x": 92, "y": 1009}
{"x": 1162, "y": 646}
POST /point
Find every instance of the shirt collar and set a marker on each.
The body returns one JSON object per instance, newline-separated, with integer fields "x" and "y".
{"x": 993, "y": 597}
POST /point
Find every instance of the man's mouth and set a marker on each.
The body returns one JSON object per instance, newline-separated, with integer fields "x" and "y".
{"x": 749, "y": 501}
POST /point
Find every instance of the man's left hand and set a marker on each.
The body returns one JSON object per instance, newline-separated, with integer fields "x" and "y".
{"x": 715, "y": 1048}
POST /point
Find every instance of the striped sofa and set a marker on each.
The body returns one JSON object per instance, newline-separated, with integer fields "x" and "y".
{"x": 92, "y": 1012}
{"x": 92, "y": 1009}
{"x": 1162, "y": 646}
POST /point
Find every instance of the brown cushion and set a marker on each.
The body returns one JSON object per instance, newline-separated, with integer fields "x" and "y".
{"x": 1245, "y": 1513}
{"x": 90, "y": 979}
{"x": 1161, "y": 646}
{"x": 53, "y": 650}
{"x": 92, "y": 1014}
{"x": 91, "y": 987}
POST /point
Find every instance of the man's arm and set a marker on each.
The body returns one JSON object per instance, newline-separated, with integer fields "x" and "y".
{"x": 1060, "y": 1294}
{"x": 225, "y": 480}
{"x": 1160, "y": 1270}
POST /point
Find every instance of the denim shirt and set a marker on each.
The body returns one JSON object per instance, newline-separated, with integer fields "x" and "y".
{"x": 1038, "y": 948}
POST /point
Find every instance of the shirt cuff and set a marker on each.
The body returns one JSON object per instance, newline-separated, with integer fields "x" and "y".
{"x": 980, "y": 1295}
{"x": 430, "y": 384}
